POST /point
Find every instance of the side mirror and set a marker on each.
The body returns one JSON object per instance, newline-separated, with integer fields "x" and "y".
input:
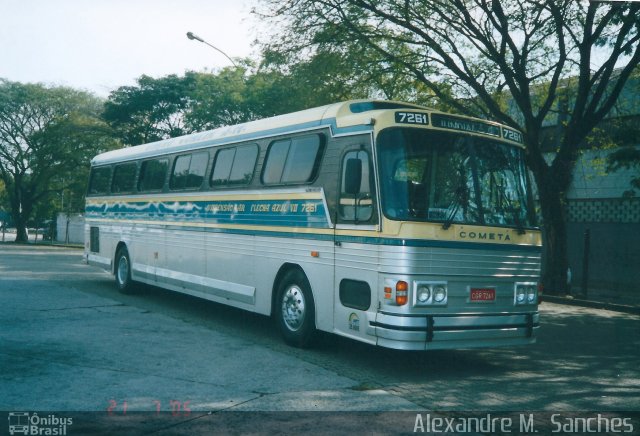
{"x": 353, "y": 176}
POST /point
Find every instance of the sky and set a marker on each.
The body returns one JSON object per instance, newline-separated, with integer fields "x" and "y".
{"x": 100, "y": 45}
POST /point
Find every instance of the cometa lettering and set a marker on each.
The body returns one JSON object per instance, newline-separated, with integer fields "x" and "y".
{"x": 485, "y": 236}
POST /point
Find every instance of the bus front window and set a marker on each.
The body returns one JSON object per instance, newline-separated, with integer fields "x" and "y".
{"x": 452, "y": 178}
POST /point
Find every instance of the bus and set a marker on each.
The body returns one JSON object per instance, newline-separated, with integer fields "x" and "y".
{"x": 385, "y": 222}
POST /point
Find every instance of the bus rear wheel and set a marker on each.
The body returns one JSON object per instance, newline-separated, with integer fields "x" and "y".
{"x": 295, "y": 309}
{"x": 123, "y": 272}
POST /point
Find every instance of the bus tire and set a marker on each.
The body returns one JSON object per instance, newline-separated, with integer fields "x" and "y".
{"x": 295, "y": 309}
{"x": 123, "y": 271}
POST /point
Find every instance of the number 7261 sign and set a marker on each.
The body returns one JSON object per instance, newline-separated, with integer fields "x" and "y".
{"x": 412, "y": 118}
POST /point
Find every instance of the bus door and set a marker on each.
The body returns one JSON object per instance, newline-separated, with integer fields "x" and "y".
{"x": 355, "y": 275}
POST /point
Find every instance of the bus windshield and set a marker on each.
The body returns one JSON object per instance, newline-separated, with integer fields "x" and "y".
{"x": 429, "y": 175}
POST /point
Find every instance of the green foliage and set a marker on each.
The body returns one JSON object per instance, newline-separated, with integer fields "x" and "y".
{"x": 47, "y": 138}
{"x": 331, "y": 66}
{"x": 175, "y": 105}
{"x": 219, "y": 99}
{"x": 152, "y": 110}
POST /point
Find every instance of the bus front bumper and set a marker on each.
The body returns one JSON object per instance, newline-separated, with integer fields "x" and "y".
{"x": 432, "y": 332}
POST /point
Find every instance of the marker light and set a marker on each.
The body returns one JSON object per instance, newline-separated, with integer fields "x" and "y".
{"x": 387, "y": 292}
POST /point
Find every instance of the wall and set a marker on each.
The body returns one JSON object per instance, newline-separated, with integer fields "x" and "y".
{"x": 71, "y": 230}
{"x": 596, "y": 202}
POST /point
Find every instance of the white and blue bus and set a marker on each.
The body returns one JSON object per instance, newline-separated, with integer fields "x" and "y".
{"x": 385, "y": 222}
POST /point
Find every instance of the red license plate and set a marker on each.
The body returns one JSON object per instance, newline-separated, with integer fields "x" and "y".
{"x": 483, "y": 294}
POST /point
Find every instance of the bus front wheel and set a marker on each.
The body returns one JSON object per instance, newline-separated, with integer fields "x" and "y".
{"x": 295, "y": 309}
{"x": 123, "y": 272}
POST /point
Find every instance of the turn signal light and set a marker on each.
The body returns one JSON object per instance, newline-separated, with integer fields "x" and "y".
{"x": 540, "y": 292}
{"x": 402, "y": 293}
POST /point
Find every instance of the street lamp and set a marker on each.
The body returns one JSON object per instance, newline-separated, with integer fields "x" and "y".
{"x": 191, "y": 35}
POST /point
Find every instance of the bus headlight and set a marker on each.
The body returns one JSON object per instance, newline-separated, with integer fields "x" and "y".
{"x": 430, "y": 293}
{"x": 531, "y": 294}
{"x": 525, "y": 293}
{"x": 439, "y": 294}
{"x": 423, "y": 293}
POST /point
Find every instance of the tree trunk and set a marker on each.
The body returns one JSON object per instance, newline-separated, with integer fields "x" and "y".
{"x": 21, "y": 228}
{"x": 20, "y": 211}
{"x": 555, "y": 260}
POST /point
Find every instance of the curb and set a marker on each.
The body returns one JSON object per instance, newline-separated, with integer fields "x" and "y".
{"x": 635, "y": 310}
{"x": 43, "y": 244}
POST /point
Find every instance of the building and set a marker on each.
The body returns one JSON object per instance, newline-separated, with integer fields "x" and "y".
{"x": 602, "y": 207}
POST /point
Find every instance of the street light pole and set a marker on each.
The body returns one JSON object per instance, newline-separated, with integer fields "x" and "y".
{"x": 192, "y": 36}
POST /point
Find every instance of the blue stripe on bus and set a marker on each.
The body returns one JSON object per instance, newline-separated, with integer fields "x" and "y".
{"x": 308, "y": 213}
{"x": 436, "y": 243}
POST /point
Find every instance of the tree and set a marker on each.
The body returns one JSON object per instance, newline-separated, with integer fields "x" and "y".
{"x": 523, "y": 63}
{"x": 47, "y": 137}
{"x": 172, "y": 105}
{"x": 220, "y": 99}
{"x": 152, "y": 110}
{"x": 331, "y": 66}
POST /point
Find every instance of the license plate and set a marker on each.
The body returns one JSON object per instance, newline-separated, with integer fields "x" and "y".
{"x": 482, "y": 295}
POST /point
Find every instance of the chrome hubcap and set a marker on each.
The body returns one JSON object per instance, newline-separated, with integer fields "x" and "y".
{"x": 293, "y": 308}
{"x": 123, "y": 270}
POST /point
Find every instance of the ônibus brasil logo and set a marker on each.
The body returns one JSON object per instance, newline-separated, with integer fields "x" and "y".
{"x": 32, "y": 424}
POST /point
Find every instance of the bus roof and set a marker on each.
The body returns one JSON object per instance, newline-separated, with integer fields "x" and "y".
{"x": 343, "y": 118}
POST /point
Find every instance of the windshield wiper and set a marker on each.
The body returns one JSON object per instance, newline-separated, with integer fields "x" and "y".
{"x": 459, "y": 197}
{"x": 516, "y": 216}
{"x": 517, "y": 220}
{"x": 519, "y": 223}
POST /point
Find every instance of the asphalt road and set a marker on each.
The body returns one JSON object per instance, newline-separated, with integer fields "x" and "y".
{"x": 70, "y": 342}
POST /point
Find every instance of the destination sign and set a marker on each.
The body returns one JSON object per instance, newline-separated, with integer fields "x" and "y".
{"x": 464, "y": 125}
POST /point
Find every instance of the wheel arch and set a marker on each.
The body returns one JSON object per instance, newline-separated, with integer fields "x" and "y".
{"x": 282, "y": 272}
{"x": 293, "y": 306}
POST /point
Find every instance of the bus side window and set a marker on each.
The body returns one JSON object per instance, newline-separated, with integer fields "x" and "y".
{"x": 99, "y": 181}
{"x": 152, "y": 174}
{"x": 188, "y": 171}
{"x": 124, "y": 178}
{"x": 234, "y": 166}
{"x": 294, "y": 160}
{"x": 356, "y": 201}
